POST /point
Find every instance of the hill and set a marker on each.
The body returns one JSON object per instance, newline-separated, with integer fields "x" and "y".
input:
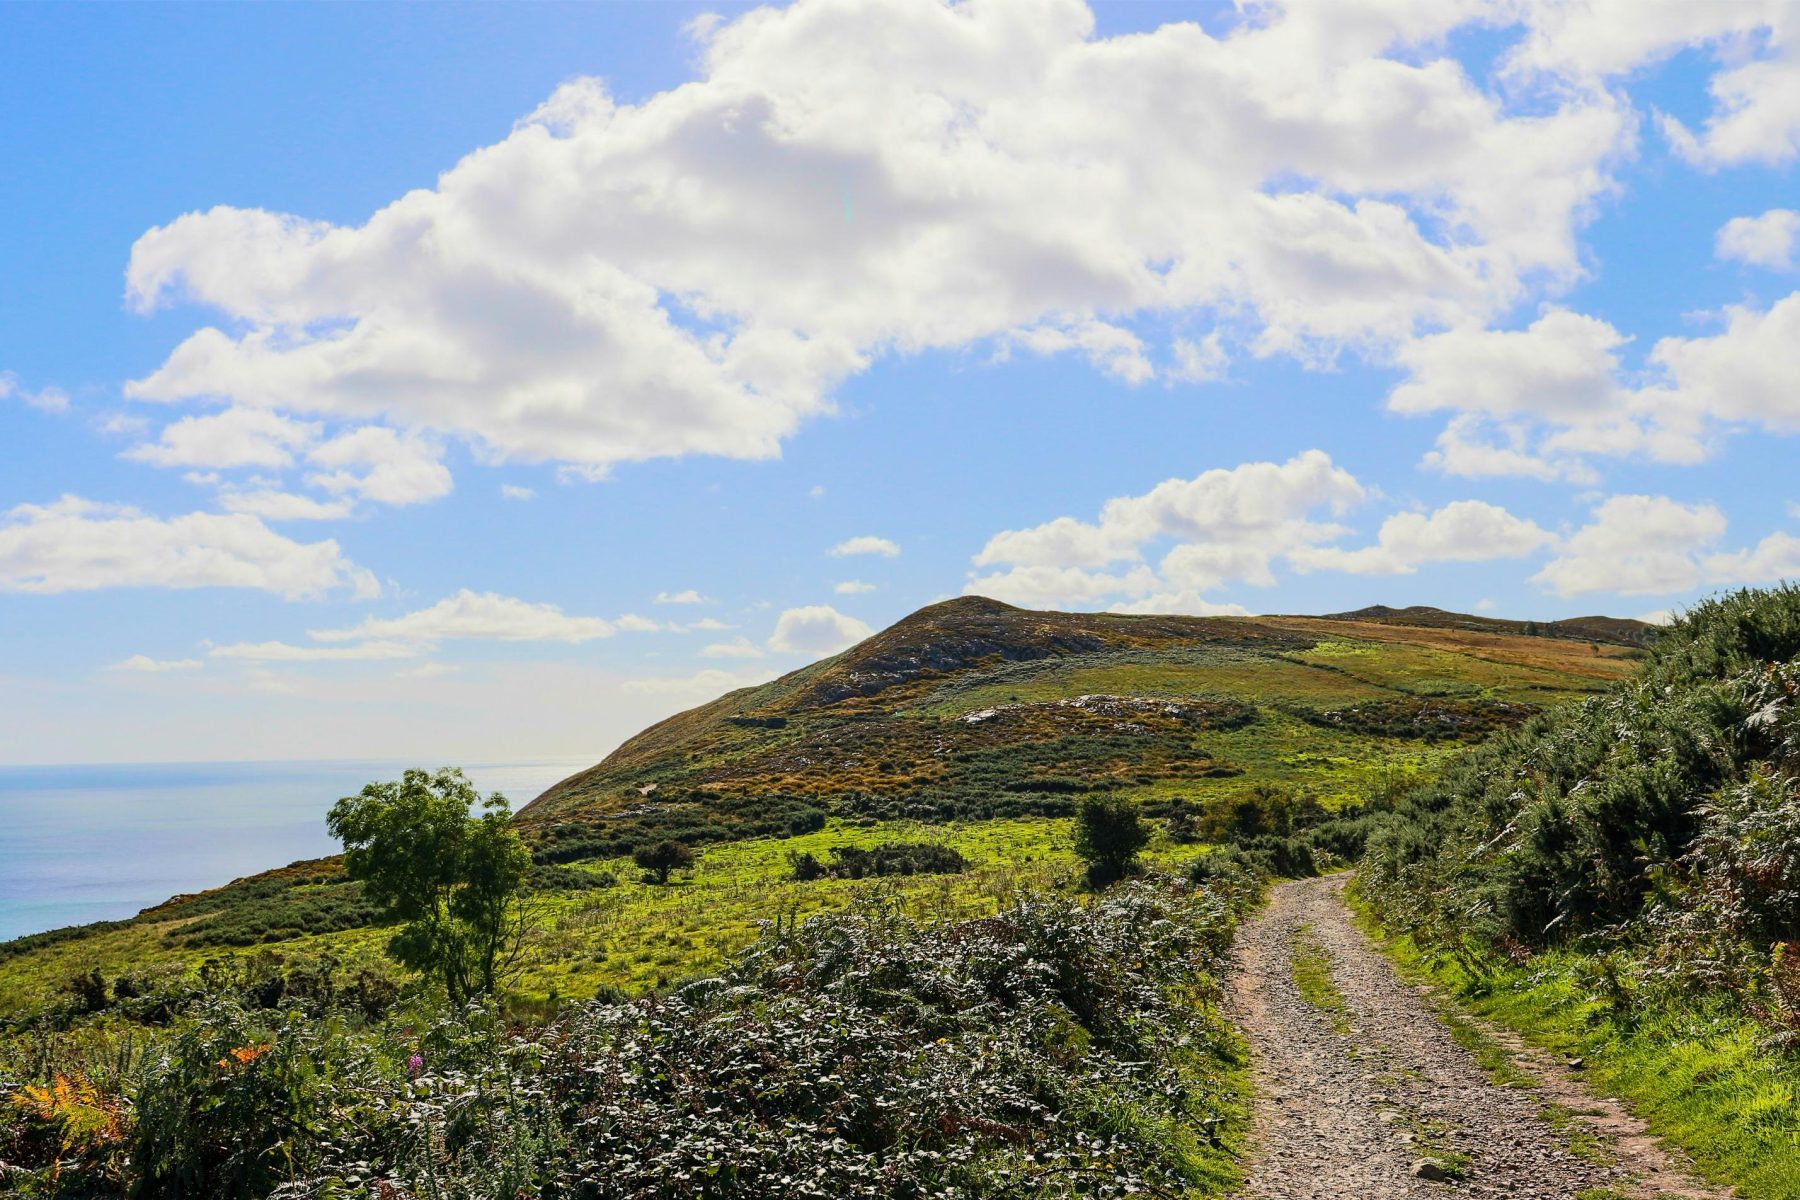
{"x": 1616, "y": 631}
{"x": 974, "y": 708}
{"x": 969, "y": 723}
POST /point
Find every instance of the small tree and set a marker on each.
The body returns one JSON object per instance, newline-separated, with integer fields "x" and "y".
{"x": 662, "y": 858}
{"x": 1108, "y": 835}
{"x": 456, "y": 880}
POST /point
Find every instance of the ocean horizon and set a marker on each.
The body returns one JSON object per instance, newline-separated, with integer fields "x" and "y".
{"x": 102, "y": 842}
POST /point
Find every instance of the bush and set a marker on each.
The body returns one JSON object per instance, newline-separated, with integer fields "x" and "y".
{"x": 1662, "y": 816}
{"x": 891, "y": 858}
{"x": 1055, "y": 1049}
{"x": 657, "y": 861}
{"x": 230, "y": 1108}
{"x": 1108, "y": 835}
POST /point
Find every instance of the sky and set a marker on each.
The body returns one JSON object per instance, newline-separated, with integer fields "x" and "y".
{"x": 478, "y": 382}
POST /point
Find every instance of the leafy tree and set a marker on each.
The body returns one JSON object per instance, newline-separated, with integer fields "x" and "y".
{"x": 1108, "y": 835}
{"x": 662, "y": 858}
{"x": 456, "y": 880}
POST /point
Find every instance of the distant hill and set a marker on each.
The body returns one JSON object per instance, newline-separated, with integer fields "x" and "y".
{"x": 1616, "y": 631}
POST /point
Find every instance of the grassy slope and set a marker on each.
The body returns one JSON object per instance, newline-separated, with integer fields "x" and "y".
{"x": 1701, "y": 1077}
{"x": 906, "y": 742}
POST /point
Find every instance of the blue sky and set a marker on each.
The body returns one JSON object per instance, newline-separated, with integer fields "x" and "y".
{"x": 481, "y": 381}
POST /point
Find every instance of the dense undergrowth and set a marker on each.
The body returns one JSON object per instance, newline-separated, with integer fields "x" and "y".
{"x": 1059, "y": 1048}
{"x": 1621, "y": 878}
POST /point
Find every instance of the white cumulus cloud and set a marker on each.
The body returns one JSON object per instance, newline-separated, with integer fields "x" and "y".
{"x": 1755, "y": 88}
{"x": 866, "y": 544}
{"x": 1763, "y": 241}
{"x": 75, "y": 544}
{"x": 1462, "y": 531}
{"x": 594, "y": 288}
{"x": 1224, "y": 525}
{"x": 1546, "y": 400}
{"x": 1654, "y": 545}
{"x": 382, "y": 465}
{"x": 236, "y": 437}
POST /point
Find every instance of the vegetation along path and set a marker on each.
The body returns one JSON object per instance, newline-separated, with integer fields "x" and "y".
{"x": 1368, "y": 1088}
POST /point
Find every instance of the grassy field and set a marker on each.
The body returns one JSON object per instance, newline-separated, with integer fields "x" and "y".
{"x": 633, "y": 935}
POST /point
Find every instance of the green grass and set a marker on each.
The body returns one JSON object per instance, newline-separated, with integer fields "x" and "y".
{"x": 637, "y": 936}
{"x": 1700, "y": 1075}
{"x": 1310, "y": 964}
{"x": 1577, "y": 1136}
{"x": 1488, "y": 1054}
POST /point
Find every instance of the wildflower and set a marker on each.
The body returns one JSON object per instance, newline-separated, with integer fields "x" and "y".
{"x": 414, "y": 1065}
{"x": 243, "y": 1056}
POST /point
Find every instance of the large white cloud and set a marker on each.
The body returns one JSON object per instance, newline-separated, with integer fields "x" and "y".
{"x": 1652, "y": 545}
{"x": 1226, "y": 525}
{"x": 596, "y": 287}
{"x": 1462, "y": 531}
{"x": 1544, "y": 400}
{"x": 394, "y": 468}
{"x": 1755, "y": 90}
{"x": 236, "y": 437}
{"x": 76, "y": 545}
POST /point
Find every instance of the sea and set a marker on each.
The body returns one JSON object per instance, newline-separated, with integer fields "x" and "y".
{"x": 99, "y": 843}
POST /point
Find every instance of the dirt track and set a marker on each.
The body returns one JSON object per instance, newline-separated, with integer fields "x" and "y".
{"x": 1369, "y": 1095}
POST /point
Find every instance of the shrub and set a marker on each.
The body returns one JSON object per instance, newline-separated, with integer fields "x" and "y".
{"x": 658, "y": 860}
{"x": 1108, "y": 835}
{"x": 230, "y": 1107}
{"x": 1662, "y": 816}
{"x": 890, "y": 858}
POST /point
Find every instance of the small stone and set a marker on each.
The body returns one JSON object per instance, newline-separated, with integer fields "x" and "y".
{"x": 1431, "y": 1169}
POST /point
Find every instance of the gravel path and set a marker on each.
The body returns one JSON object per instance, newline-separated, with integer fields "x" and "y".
{"x": 1363, "y": 1091}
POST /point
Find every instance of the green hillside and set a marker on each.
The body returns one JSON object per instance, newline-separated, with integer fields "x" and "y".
{"x": 972, "y": 708}
{"x": 970, "y": 723}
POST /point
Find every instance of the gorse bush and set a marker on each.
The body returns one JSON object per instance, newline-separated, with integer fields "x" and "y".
{"x": 1056, "y": 1049}
{"x": 1109, "y": 832}
{"x": 1661, "y": 814}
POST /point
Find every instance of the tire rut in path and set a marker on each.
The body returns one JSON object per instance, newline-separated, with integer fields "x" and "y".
{"x": 1352, "y": 1098}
